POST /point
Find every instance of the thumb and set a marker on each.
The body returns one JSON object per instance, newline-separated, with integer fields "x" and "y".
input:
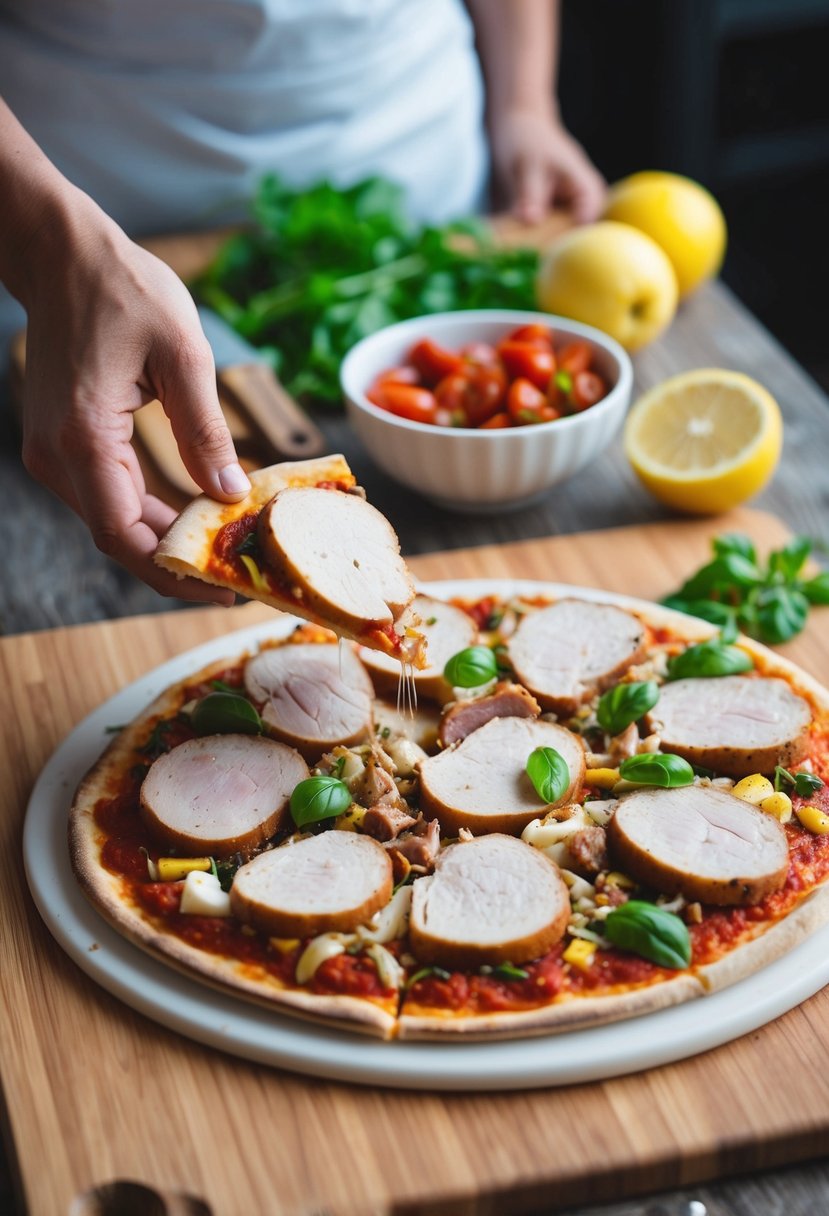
{"x": 192, "y": 404}
{"x": 531, "y": 189}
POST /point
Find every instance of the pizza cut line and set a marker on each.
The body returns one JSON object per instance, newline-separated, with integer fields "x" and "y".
{"x": 446, "y": 897}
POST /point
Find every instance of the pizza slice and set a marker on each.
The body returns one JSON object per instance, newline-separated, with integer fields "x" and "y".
{"x": 305, "y": 541}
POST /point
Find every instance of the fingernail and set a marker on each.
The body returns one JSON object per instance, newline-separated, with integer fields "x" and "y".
{"x": 234, "y": 480}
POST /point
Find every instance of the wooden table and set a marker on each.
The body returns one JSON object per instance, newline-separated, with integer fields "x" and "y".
{"x": 54, "y": 576}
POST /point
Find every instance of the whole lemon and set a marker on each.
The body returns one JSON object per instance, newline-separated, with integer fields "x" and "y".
{"x": 612, "y": 276}
{"x": 680, "y": 215}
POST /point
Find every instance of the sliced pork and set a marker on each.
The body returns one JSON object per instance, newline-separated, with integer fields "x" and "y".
{"x": 447, "y": 630}
{"x": 482, "y": 784}
{"x": 505, "y": 701}
{"x": 699, "y": 842}
{"x": 312, "y": 695}
{"x": 567, "y": 652}
{"x": 490, "y": 900}
{"x": 341, "y": 554}
{"x": 220, "y": 795}
{"x": 328, "y": 883}
{"x": 734, "y": 724}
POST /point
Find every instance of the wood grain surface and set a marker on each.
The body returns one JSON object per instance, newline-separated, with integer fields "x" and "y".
{"x": 94, "y": 1092}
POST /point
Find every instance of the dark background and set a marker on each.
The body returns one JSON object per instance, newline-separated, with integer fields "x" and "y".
{"x": 734, "y": 93}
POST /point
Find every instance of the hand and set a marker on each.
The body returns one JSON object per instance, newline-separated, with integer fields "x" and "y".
{"x": 539, "y": 165}
{"x": 110, "y": 328}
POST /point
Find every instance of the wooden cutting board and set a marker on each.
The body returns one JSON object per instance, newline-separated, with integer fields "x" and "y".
{"x": 95, "y": 1092}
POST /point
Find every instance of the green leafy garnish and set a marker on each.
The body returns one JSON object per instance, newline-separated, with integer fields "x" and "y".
{"x": 651, "y": 932}
{"x": 548, "y": 771}
{"x": 803, "y": 784}
{"x": 654, "y": 768}
{"x": 471, "y": 667}
{"x": 712, "y": 658}
{"x": 424, "y": 973}
{"x": 737, "y": 591}
{"x": 220, "y": 686}
{"x": 157, "y": 743}
{"x": 319, "y": 798}
{"x": 323, "y": 267}
{"x": 249, "y": 545}
{"x": 225, "y": 713}
{"x": 506, "y": 971}
{"x": 225, "y": 870}
{"x": 626, "y": 703}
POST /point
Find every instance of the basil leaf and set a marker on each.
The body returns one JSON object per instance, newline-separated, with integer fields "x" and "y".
{"x": 654, "y": 768}
{"x": 713, "y": 658}
{"x": 424, "y": 973}
{"x": 816, "y": 589}
{"x": 710, "y": 610}
{"x": 626, "y": 703}
{"x": 506, "y": 971}
{"x": 651, "y": 932}
{"x": 471, "y": 667}
{"x": 722, "y": 576}
{"x": 220, "y": 686}
{"x": 781, "y": 613}
{"x": 805, "y": 784}
{"x": 789, "y": 560}
{"x": 734, "y": 542}
{"x": 548, "y": 771}
{"x": 318, "y": 798}
{"x": 225, "y": 713}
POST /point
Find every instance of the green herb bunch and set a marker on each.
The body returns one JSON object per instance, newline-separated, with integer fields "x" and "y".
{"x": 324, "y": 267}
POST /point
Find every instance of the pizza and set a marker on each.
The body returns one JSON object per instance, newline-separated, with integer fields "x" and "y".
{"x": 598, "y": 809}
{"x": 305, "y": 541}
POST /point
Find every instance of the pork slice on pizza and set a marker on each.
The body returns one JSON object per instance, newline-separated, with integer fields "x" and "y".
{"x": 305, "y": 541}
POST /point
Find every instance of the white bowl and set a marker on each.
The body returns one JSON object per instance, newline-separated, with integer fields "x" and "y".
{"x": 474, "y": 470}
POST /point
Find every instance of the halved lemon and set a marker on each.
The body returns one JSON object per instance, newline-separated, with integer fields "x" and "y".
{"x": 705, "y": 441}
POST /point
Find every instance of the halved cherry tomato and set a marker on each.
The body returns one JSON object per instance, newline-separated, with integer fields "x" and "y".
{"x": 496, "y": 422}
{"x": 533, "y": 363}
{"x": 525, "y": 402}
{"x": 481, "y": 353}
{"x": 398, "y": 375}
{"x": 575, "y": 357}
{"x": 588, "y": 388}
{"x": 477, "y": 392}
{"x": 406, "y": 401}
{"x": 433, "y": 362}
{"x": 535, "y": 334}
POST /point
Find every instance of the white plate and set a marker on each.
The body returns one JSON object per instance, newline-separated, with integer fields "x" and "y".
{"x": 230, "y": 1023}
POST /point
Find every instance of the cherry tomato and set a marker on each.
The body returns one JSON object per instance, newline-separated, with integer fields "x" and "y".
{"x": 575, "y": 357}
{"x": 588, "y": 388}
{"x": 477, "y": 392}
{"x": 481, "y": 353}
{"x": 496, "y": 422}
{"x": 522, "y": 359}
{"x": 433, "y": 362}
{"x": 398, "y": 375}
{"x": 406, "y": 401}
{"x": 535, "y": 334}
{"x": 525, "y": 402}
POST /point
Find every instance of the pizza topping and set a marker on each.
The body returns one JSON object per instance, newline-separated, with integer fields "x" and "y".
{"x": 340, "y": 553}
{"x": 470, "y": 668}
{"x": 709, "y": 659}
{"x": 203, "y": 896}
{"x": 549, "y": 773}
{"x": 650, "y": 931}
{"x": 490, "y": 900}
{"x": 172, "y": 869}
{"x": 699, "y": 842}
{"x": 312, "y": 695}
{"x": 813, "y": 819}
{"x": 317, "y": 952}
{"x": 220, "y": 794}
{"x": 326, "y": 883}
{"x": 391, "y": 922}
{"x": 221, "y": 713}
{"x": 667, "y": 772}
{"x": 567, "y": 652}
{"x": 507, "y": 700}
{"x": 418, "y": 848}
{"x": 318, "y": 798}
{"x": 733, "y": 725}
{"x": 482, "y": 783}
{"x": 621, "y": 707}
{"x": 446, "y": 630}
{"x": 589, "y": 848}
{"x": 385, "y": 822}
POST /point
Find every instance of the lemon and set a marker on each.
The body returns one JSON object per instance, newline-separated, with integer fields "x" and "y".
{"x": 704, "y": 441}
{"x": 680, "y": 215}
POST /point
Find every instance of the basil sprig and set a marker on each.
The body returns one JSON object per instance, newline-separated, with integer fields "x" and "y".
{"x": 318, "y": 798}
{"x": 651, "y": 932}
{"x": 471, "y": 667}
{"x": 626, "y": 703}
{"x": 225, "y": 713}
{"x": 549, "y": 773}
{"x": 712, "y": 658}
{"x": 804, "y": 784}
{"x": 769, "y": 602}
{"x": 653, "y": 768}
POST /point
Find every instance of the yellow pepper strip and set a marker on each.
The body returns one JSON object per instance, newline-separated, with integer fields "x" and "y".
{"x": 753, "y": 789}
{"x": 615, "y": 878}
{"x": 256, "y": 575}
{"x": 602, "y": 778}
{"x": 171, "y": 869}
{"x": 813, "y": 820}
{"x": 779, "y": 805}
{"x": 579, "y": 954}
{"x": 284, "y": 944}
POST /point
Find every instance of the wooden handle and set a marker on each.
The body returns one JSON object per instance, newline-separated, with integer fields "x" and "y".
{"x": 273, "y": 410}
{"x": 122, "y": 1198}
